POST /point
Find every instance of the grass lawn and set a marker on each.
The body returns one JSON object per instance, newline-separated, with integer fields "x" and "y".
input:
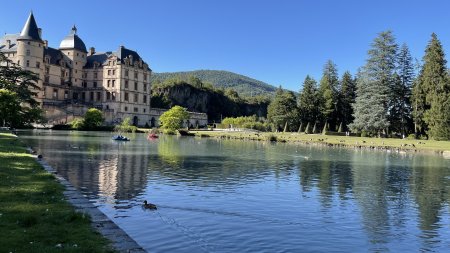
{"x": 34, "y": 216}
{"x": 350, "y": 141}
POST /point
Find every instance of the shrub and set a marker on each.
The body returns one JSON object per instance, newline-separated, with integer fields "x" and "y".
{"x": 125, "y": 126}
{"x": 271, "y": 137}
{"x": 93, "y": 119}
{"x": 365, "y": 134}
{"x": 77, "y": 124}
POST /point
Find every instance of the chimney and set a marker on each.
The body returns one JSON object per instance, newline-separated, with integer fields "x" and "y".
{"x": 8, "y": 44}
{"x": 46, "y": 43}
{"x": 91, "y": 50}
{"x": 40, "y": 32}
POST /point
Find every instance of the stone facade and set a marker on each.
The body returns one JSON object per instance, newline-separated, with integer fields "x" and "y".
{"x": 73, "y": 79}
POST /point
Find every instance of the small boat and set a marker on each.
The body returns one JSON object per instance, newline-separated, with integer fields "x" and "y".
{"x": 152, "y": 136}
{"x": 120, "y": 138}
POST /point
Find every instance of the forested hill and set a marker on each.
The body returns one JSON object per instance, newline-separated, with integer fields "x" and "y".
{"x": 244, "y": 85}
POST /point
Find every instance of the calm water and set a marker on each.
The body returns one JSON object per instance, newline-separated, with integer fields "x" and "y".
{"x": 237, "y": 196}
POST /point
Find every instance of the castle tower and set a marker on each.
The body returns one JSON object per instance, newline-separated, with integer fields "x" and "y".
{"x": 30, "y": 50}
{"x": 74, "y": 49}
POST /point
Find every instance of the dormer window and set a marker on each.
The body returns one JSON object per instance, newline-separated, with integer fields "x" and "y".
{"x": 28, "y": 52}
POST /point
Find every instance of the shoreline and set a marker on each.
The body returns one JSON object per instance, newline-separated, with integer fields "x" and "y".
{"x": 441, "y": 148}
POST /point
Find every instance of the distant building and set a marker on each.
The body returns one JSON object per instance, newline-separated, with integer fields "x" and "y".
{"x": 73, "y": 79}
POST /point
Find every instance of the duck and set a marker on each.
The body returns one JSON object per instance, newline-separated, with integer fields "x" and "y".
{"x": 149, "y": 205}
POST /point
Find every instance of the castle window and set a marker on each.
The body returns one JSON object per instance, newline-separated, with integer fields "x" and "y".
{"x": 28, "y": 63}
{"x": 135, "y": 98}
{"x": 18, "y": 62}
{"x": 113, "y": 82}
{"x": 135, "y": 109}
{"x": 83, "y": 96}
{"x": 55, "y": 93}
{"x": 62, "y": 73}
{"x": 126, "y": 72}
{"x": 143, "y": 110}
{"x": 28, "y": 43}
{"x": 109, "y": 72}
{"x": 46, "y": 79}
{"x": 66, "y": 94}
{"x": 109, "y": 82}
{"x": 126, "y": 84}
{"x": 135, "y": 75}
{"x": 126, "y": 96}
{"x": 47, "y": 70}
{"x": 82, "y": 56}
{"x": 78, "y": 54}
{"x": 62, "y": 81}
{"x": 113, "y": 96}
{"x": 108, "y": 95}
{"x": 28, "y": 52}
{"x": 38, "y": 64}
{"x": 99, "y": 96}
{"x": 145, "y": 77}
{"x": 91, "y": 95}
{"x": 135, "y": 85}
{"x": 76, "y": 71}
{"x": 144, "y": 99}
{"x": 84, "y": 84}
{"x": 47, "y": 60}
{"x": 95, "y": 84}
{"x": 145, "y": 87}
{"x": 126, "y": 108}
{"x": 95, "y": 75}
{"x": 114, "y": 72}
{"x": 76, "y": 63}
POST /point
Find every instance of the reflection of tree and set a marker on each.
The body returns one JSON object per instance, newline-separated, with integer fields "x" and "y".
{"x": 430, "y": 188}
{"x": 369, "y": 190}
{"x": 170, "y": 151}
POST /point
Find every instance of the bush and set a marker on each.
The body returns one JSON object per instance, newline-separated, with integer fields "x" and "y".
{"x": 77, "y": 124}
{"x": 365, "y": 133}
{"x": 125, "y": 126}
{"x": 271, "y": 137}
{"x": 93, "y": 119}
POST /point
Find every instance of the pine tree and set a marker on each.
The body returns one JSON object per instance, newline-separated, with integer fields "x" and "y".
{"x": 374, "y": 84}
{"x": 347, "y": 95}
{"x": 328, "y": 93}
{"x": 308, "y": 101}
{"x": 400, "y": 104}
{"x": 433, "y": 91}
{"x": 283, "y": 110}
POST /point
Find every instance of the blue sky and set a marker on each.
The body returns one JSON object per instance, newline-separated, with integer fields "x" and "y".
{"x": 278, "y": 42}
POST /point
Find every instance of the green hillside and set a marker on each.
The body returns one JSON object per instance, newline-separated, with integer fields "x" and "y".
{"x": 244, "y": 85}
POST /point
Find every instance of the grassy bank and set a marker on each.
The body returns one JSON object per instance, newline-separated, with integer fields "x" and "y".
{"x": 34, "y": 217}
{"x": 343, "y": 141}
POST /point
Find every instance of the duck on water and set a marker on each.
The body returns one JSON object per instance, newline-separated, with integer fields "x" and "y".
{"x": 150, "y": 206}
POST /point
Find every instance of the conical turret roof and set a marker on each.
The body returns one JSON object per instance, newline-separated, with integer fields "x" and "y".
{"x": 30, "y": 30}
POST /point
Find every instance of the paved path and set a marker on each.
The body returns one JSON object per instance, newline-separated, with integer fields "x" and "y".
{"x": 100, "y": 222}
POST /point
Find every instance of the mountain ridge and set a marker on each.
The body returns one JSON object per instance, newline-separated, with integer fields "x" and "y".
{"x": 244, "y": 85}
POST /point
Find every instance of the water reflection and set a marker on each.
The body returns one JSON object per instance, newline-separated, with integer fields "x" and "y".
{"x": 369, "y": 200}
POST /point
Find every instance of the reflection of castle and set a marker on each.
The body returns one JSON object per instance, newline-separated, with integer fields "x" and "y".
{"x": 73, "y": 79}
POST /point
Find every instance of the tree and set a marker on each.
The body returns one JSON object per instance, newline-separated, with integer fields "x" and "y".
{"x": 328, "y": 90}
{"x": 173, "y": 119}
{"x": 432, "y": 91}
{"x": 347, "y": 95}
{"x": 283, "y": 110}
{"x": 9, "y": 107}
{"x": 308, "y": 101}
{"x": 400, "y": 110}
{"x": 373, "y": 90}
{"x": 22, "y": 85}
{"x": 93, "y": 119}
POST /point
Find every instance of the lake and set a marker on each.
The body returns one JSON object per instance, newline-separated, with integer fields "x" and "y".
{"x": 246, "y": 196}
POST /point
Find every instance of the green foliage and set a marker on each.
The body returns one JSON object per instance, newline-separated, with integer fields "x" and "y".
{"x": 283, "y": 111}
{"x": 125, "y": 126}
{"x": 432, "y": 93}
{"x": 328, "y": 93}
{"x": 20, "y": 85}
{"x": 243, "y": 85}
{"x": 92, "y": 119}
{"x": 77, "y": 124}
{"x": 249, "y": 122}
{"x": 173, "y": 119}
{"x": 309, "y": 101}
{"x": 374, "y": 84}
{"x": 347, "y": 96}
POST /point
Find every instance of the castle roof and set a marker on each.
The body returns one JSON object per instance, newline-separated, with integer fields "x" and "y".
{"x": 12, "y": 47}
{"x": 30, "y": 30}
{"x": 72, "y": 41}
{"x": 121, "y": 54}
